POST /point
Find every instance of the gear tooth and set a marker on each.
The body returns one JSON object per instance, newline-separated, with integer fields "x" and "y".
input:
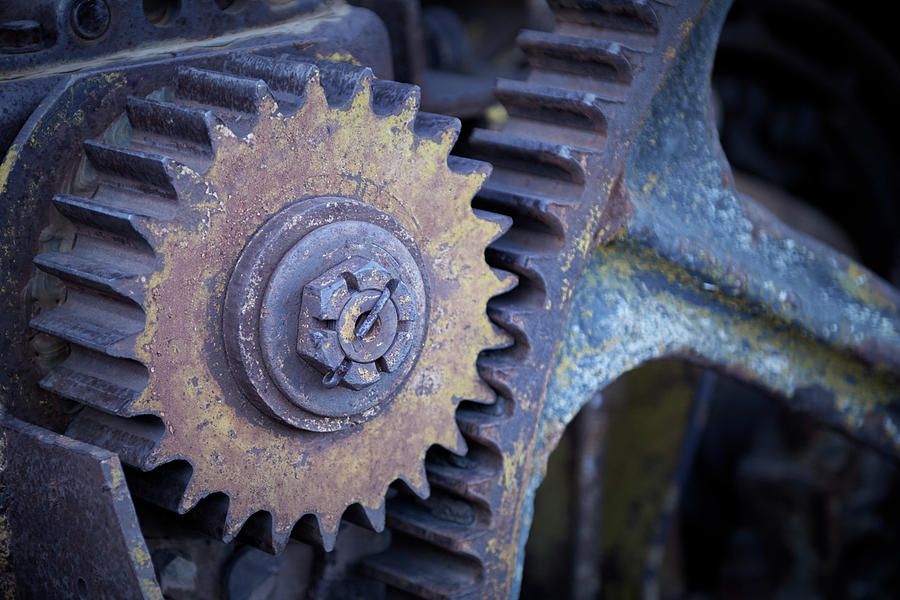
{"x": 460, "y": 447}
{"x": 422, "y": 490}
{"x": 472, "y": 476}
{"x": 306, "y": 529}
{"x": 507, "y": 280}
{"x": 232, "y": 93}
{"x": 467, "y": 166}
{"x": 95, "y": 322}
{"x": 628, "y": 15}
{"x": 503, "y": 222}
{"x": 525, "y": 155}
{"x": 375, "y": 516}
{"x": 440, "y": 129}
{"x": 280, "y": 538}
{"x": 345, "y": 84}
{"x": 580, "y": 116}
{"x": 394, "y": 98}
{"x": 362, "y": 92}
{"x": 368, "y": 518}
{"x": 541, "y": 213}
{"x": 85, "y": 268}
{"x": 510, "y": 315}
{"x": 132, "y": 439}
{"x": 193, "y": 493}
{"x": 237, "y": 516}
{"x": 445, "y": 521}
{"x": 328, "y": 526}
{"x": 142, "y": 171}
{"x": 189, "y": 128}
{"x": 96, "y": 380}
{"x": 590, "y": 58}
{"x": 280, "y": 75}
{"x": 499, "y": 339}
{"x": 423, "y": 571}
{"x": 480, "y": 426}
{"x": 96, "y": 220}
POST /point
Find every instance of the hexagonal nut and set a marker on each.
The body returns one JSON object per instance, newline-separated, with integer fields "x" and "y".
{"x": 397, "y": 353}
{"x": 405, "y": 302}
{"x": 361, "y": 375}
{"x": 326, "y": 295}
{"x": 367, "y": 275}
{"x": 320, "y": 347}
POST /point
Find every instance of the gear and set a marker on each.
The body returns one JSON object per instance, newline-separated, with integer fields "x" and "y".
{"x": 280, "y": 263}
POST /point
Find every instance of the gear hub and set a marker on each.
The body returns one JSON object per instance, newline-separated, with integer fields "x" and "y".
{"x": 356, "y": 275}
{"x": 274, "y": 286}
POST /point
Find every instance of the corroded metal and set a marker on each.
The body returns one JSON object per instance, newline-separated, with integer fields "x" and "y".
{"x": 556, "y": 164}
{"x": 253, "y": 280}
{"x": 267, "y": 154}
{"x": 64, "y": 504}
{"x": 663, "y": 281}
{"x": 293, "y": 300}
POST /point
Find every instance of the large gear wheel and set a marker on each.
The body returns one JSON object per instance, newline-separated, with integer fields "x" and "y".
{"x": 280, "y": 263}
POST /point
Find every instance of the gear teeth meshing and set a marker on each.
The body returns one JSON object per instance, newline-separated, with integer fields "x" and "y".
{"x": 472, "y": 476}
{"x": 554, "y": 161}
{"x": 565, "y": 116}
{"x": 442, "y": 521}
{"x": 164, "y": 147}
{"x": 582, "y": 113}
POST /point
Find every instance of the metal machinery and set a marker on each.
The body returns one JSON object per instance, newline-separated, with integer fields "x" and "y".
{"x": 250, "y": 300}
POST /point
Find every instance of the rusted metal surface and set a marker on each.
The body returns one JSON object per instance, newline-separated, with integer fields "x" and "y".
{"x": 81, "y": 106}
{"x": 293, "y": 302}
{"x": 556, "y": 166}
{"x": 784, "y": 311}
{"x": 162, "y": 214}
{"x": 72, "y": 32}
{"x": 262, "y": 277}
{"x": 67, "y": 519}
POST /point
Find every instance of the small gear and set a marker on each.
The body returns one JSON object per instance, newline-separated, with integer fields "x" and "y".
{"x": 279, "y": 261}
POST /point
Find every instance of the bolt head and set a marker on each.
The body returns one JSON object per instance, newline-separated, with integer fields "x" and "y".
{"x": 332, "y": 308}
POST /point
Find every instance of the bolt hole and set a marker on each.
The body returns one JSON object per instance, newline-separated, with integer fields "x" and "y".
{"x": 81, "y": 587}
{"x": 90, "y": 18}
{"x": 231, "y": 6}
{"x": 161, "y": 12}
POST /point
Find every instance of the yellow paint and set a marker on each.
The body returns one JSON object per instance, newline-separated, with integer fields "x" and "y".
{"x": 860, "y": 283}
{"x": 317, "y": 151}
{"x": 344, "y": 57}
{"x": 6, "y": 166}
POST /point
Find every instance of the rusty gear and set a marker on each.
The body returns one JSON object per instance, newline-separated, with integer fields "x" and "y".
{"x": 215, "y": 189}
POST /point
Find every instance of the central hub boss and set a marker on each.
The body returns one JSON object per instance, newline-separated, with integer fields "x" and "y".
{"x": 326, "y": 313}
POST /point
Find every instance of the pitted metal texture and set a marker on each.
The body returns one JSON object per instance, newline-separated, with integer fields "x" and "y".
{"x": 298, "y": 299}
